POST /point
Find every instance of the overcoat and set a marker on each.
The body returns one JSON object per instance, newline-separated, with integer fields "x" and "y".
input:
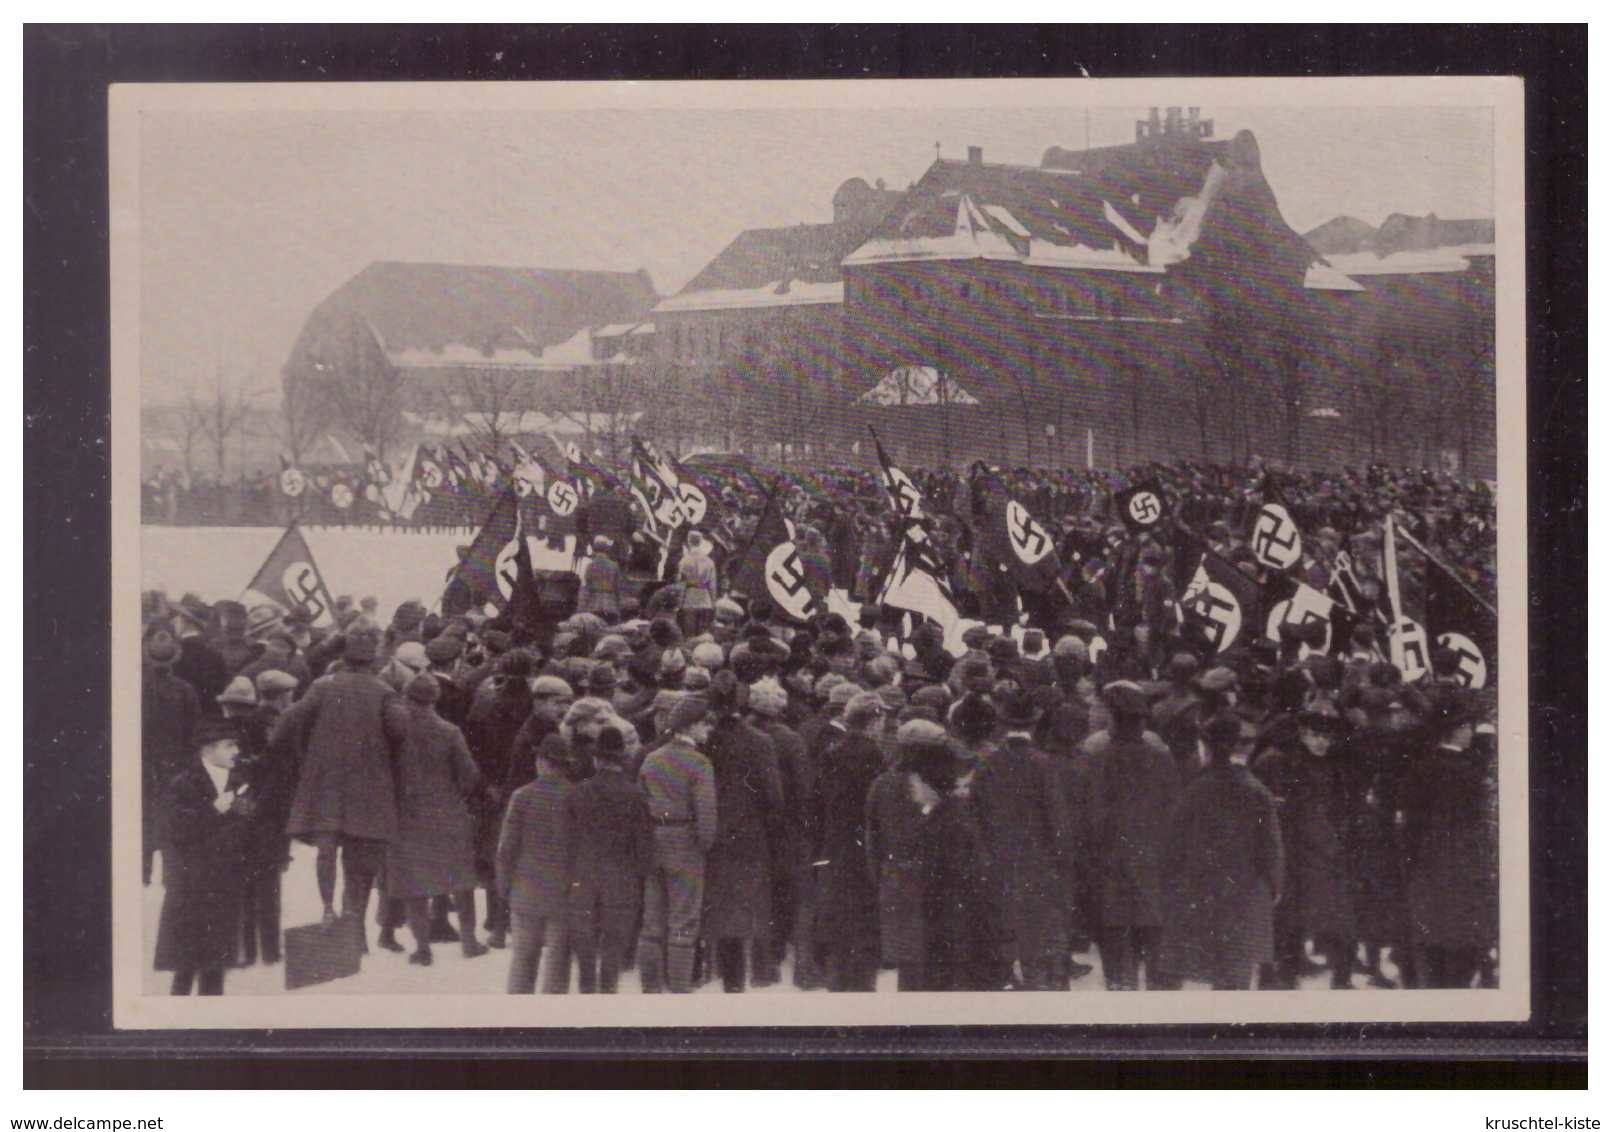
{"x": 203, "y": 875}
{"x": 601, "y": 588}
{"x": 749, "y": 797}
{"x": 1317, "y": 897}
{"x": 1451, "y": 827}
{"x": 847, "y": 904}
{"x": 433, "y": 853}
{"x": 901, "y": 866}
{"x": 169, "y": 709}
{"x": 610, "y": 844}
{"x": 1135, "y": 785}
{"x": 496, "y": 715}
{"x": 347, "y": 729}
{"x": 1024, "y": 817}
{"x": 1222, "y": 868}
{"x": 532, "y": 858}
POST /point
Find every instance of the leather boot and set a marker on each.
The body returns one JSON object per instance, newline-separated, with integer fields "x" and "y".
{"x": 680, "y": 967}
{"x": 651, "y": 965}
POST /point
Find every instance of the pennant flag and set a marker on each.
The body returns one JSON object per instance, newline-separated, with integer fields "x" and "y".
{"x": 1143, "y": 508}
{"x": 1221, "y": 605}
{"x": 488, "y": 567}
{"x": 1011, "y": 535}
{"x": 659, "y": 485}
{"x": 1406, "y": 637}
{"x": 1456, "y": 619}
{"x": 1275, "y": 540}
{"x": 292, "y": 482}
{"x": 912, "y": 587}
{"x": 771, "y": 567}
{"x": 290, "y": 579}
{"x": 907, "y": 501}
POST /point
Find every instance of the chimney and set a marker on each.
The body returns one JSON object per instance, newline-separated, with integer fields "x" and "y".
{"x": 976, "y": 155}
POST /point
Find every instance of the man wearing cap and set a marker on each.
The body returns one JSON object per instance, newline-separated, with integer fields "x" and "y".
{"x": 168, "y": 714}
{"x": 346, "y": 731}
{"x": 499, "y": 709}
{"x": 442, "y": 653}
{"x": 433, "y": 852}
{"x": 680, "y": 784}
{"x": 749, "y": 800}
{"x": 199, "y": 664}
{"x": 1310, "y": 791}
{"x": 1135, "y": 786}
{"x": 1222, "y": 868}
{"x": 205, "y": 808}
{"x": 847, "y": 911}
{"x": 1175, "y": 716}
{"x": 1024, "y": 815}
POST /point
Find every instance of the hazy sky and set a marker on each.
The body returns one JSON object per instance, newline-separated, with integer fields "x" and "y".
{"x": 249, "y": 218}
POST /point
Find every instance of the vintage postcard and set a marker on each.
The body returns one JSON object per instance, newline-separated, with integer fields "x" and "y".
{"x": 808, "y": 553}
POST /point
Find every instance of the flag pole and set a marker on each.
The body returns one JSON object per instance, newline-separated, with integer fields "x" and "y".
{"x": 1432, "y": 558}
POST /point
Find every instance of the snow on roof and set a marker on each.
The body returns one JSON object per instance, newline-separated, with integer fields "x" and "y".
{"x": 915, "y": 385}
{"x": 1427, "y": 262}
{"x": 1008, "y": 219}
{"x": 1043, "y": 253}
{"x": 460, "y": 355}
{"x": 795, "y": 293}
{"x": 1323, "y": 277}
{"x": 619, "y": 329}
{"x": 516, "y": 424}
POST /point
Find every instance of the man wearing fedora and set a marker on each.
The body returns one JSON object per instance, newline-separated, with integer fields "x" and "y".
{"x": 169, "y": 711}
{"x": 206, "y": 807}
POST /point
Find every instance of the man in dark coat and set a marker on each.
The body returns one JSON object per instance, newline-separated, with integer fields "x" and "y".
{"x": 169, "y": 711}
{"x": 1136, "y": 784}
{"x": 1025, "y": 819}
{"x": 847, "y": 910}
{"x": 1451, "y": 822}
{"x": 501, "y": 704}
{"x": 1222, "y": 868}
{"x": 1175, "y": 716}
{"x": 609, "y": 842}
{"x": 1318, "y": 894}
{"x": 433, "y": 851}
{"x": 346, "y": 731}
{"x": 229, "y": 639}
{"x": 788, "y": 836}
{"x": 203, "y": 830}
{"x": 749, "y": 792}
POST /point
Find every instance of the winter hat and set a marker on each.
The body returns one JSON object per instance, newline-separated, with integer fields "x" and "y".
{"x": 160, "y": 647}
{"x": 863, "y": 708}
{"x": 708, "y": 655}
{"x": 611, "y": 647}
{"x": 1003, "y": 648}
{"x": 497, "y": 642}
{"x": 696, "y": 678}
{"x": 551, "y": 686}
{"x": 842, "y": 693}
{"x": 273, "y": 682}
{"x": 768, "y": 698}
{"x": 262, "y": 620}
{"x": 1071, "y": 647}
{"x": 516, "y": 663}
{"x": 601, "y": 681}
{"x": 610, "y": 745}
{"x": 1016, "y": 707}
{"x": 240, "y": 691}
{"x": 408, "y": 617}
{"x": 424, "y": 689}
{"x": 444, "y": 648}
{"x": 934, "y": 697}
{"x": 362, "y": 645}
{"x": 663, "y": 632}
{"x": 412, "y": 655}
{"x": 689, "y": 711}
{"x": 211, "y": 729}
{"x": 921, "y": 732}
{"x": 1125, "y": 697}
{"x": 826, "y": 683}
{"x": 672, "y": 662}
{"x": 1181, "y": 667}
{"x": 972, "y": 718}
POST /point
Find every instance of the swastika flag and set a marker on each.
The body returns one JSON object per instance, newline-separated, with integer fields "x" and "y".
{"x": 290, "y": 579}
{"x": 1142, "y": 507}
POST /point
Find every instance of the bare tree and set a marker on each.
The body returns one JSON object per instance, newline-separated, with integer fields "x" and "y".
{"x": 488, "y": 399}
{"x": 362, "y": 389}
{"x": 222, "y": 413}
{"x": 192, "y": 429}
{"x": 304, "y": 413}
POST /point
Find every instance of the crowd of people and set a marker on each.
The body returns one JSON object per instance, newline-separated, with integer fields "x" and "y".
{"x": 675, "y": 776}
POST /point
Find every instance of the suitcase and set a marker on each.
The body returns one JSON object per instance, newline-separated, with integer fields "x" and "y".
{"x": 316, "y": 953}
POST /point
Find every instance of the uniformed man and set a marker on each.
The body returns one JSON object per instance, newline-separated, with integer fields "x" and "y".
{"x": 681, "y": 787}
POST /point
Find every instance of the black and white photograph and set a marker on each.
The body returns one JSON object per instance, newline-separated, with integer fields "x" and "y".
{"x": 796, "y": 553}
